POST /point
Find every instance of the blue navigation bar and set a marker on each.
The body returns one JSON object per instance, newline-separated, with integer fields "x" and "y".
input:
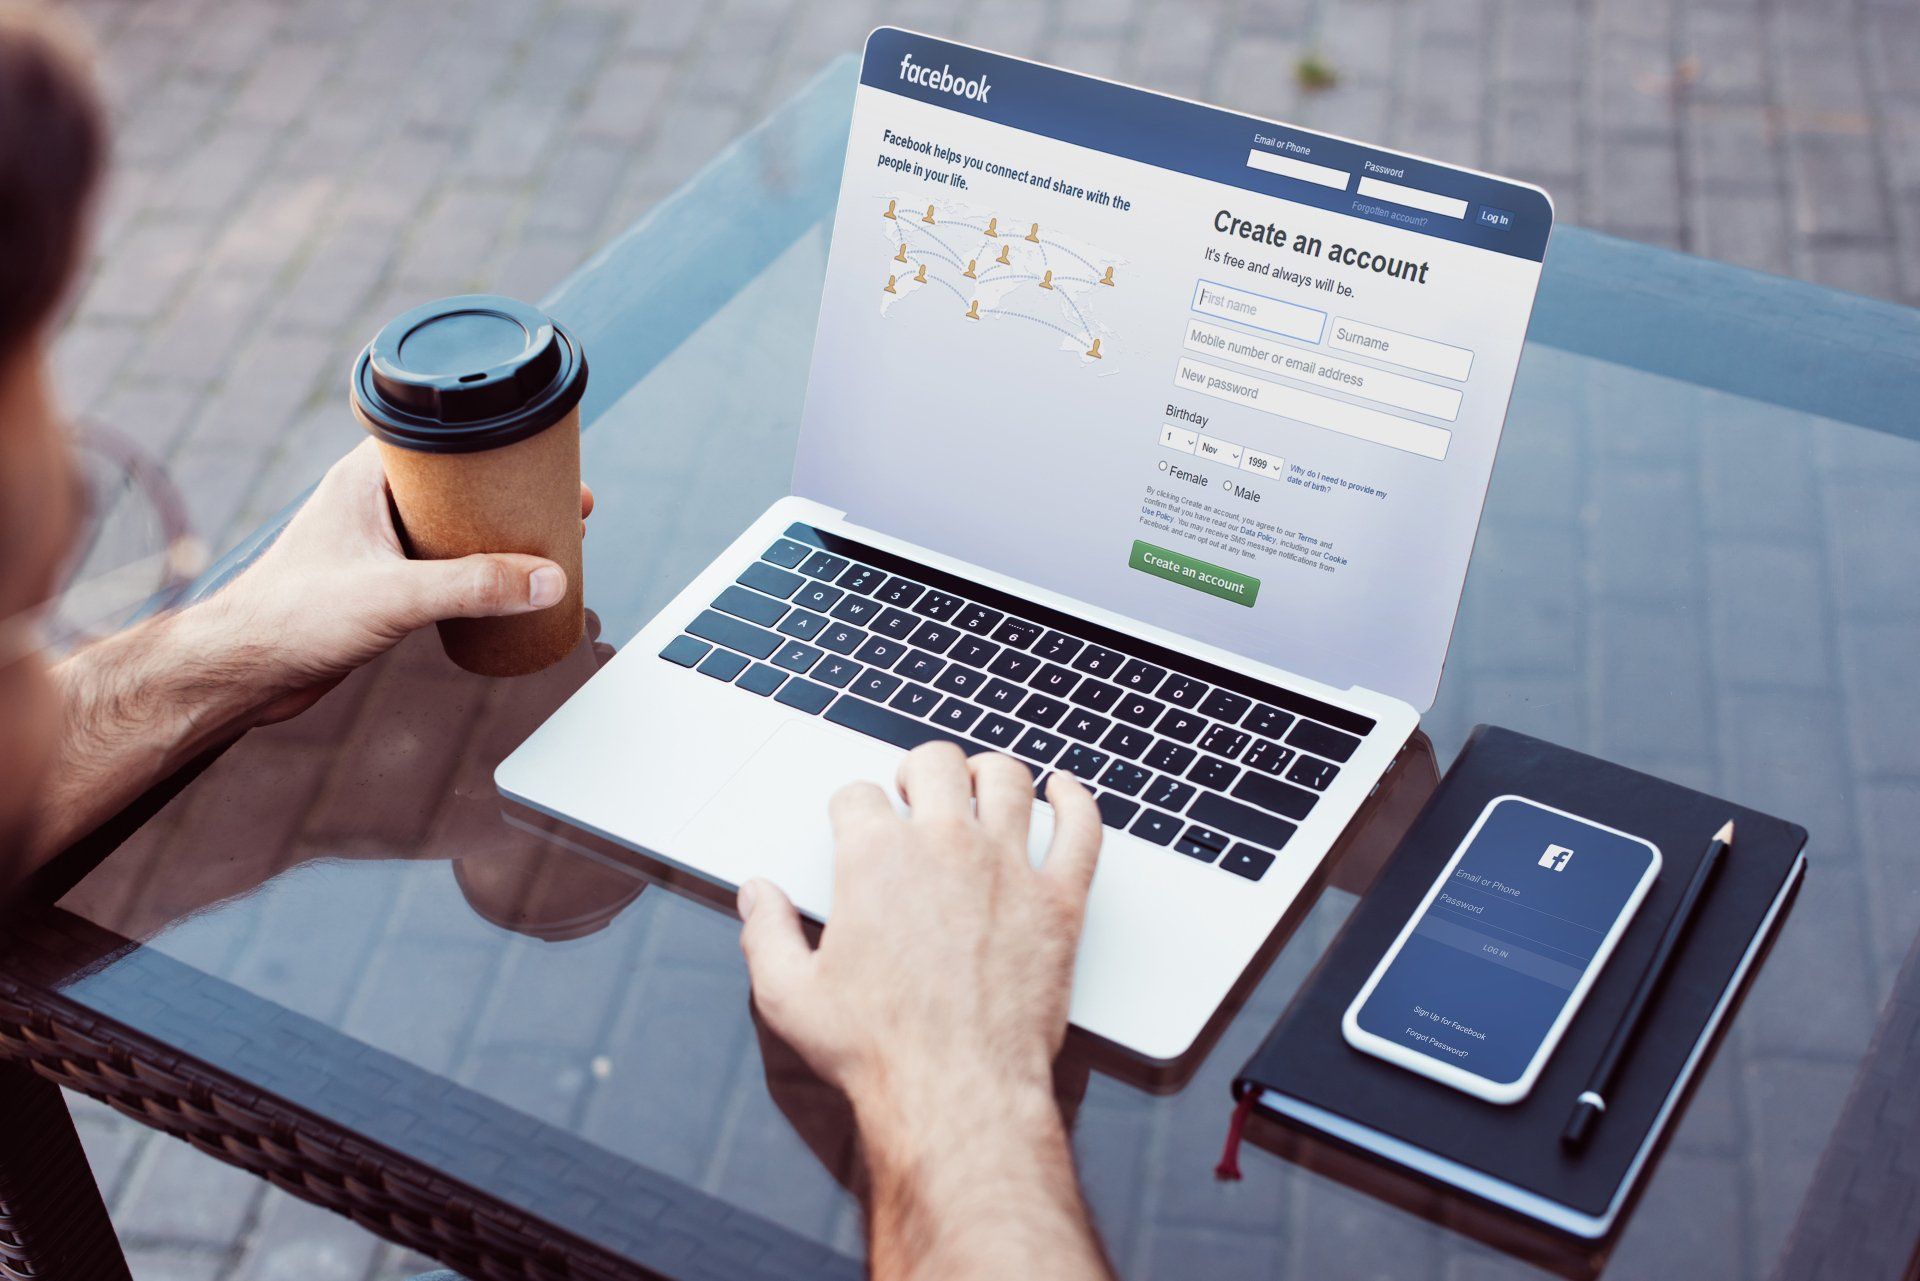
{"x": 1221, "y": 146}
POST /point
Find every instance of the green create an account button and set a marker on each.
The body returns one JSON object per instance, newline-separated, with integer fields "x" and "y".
{"x": 1197, "y": 574}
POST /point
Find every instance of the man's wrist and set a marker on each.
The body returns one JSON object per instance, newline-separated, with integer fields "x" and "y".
{"x": 915, "y": 1116}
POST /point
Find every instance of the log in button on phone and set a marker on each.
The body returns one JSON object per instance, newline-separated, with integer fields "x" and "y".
{"x": 1189, "y": 571}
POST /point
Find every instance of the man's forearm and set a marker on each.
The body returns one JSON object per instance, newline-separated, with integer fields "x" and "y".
{"x": 977, "y": 1182}
{"x": 136, "y": 707}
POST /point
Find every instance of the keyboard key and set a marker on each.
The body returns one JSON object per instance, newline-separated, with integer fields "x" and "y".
{"x": 1096, "y": 660}
{"x": 1116, "y": 810}
{"x": 751, "y": 606}
{"x": 1311, "y": 736}
{"x": 802, "y": 624}
{"x": 898, "y": 591}
{"x": 1124, "y": 740}
{"x": 1245, "y": 860}
{"x": 1039, "y": 746}
{"x": 786, "y": 553}
{"x": 1170, "y": 758}
{"x": 919, "y": 665}
{"x": 761, "y": 679}
{"x": 914, "y": 699}
{"x": 1211, "y": 771}
{"x": 1016, "y": 633}
{"x": 1140, "y": 677}
{"x": 1270, "y": 721}
{"x": 837, "y": 672}
{"x": 1057, "y": 646}
{"x": 1154, "y": 826}
{"x": 962, "y": 681}
{"x": 875, "y": 685}
{"x": 1054, "y": 679}
{"x": 973, "y": 651}
{"x": 1267, "y": 756}
{"x": 734, "y": 634}
{"x": 1097, "y": 695}
{"x": 840, "y": 638}
{"x": 1041, "y": 710}
{"x": 1222, "y": 741}
{"x": 857, "y": 610}
{"x": 805, "y": 695}
{"x": 1181, "y": 726}
{"x": 1311, "y": 771}
{"x": 817, "y": 596}
{"x": 1137, "y": 709}
{"x": 1083, "y": 762}
{"x": 1272, "y": 794}
{"x": 1124, "y": 776}
{"x": 897, "y": 623}
{"x": 1240, "y": 820}
{"x": 685, "y": 650}
{"x": 880, "y": 652}
{"x": 1170, "y": 793}
{"x": 941, "y": 605}
{"x": 824, "y": 565}
{"x": 1201, "y": 843}
{"x": 722, "y": 665}
{"x": 1002, "y": 696}
{"x": 864, "y": 579}
{"x": 1182, "y": 691}
{"x": 796, "y": 657}
{"x": 1014, "y": 665}
{"x": 1084, "y": 726}
{"x": 999, "y": 733}
{"x": 891, "y": 727}
{"x": 1224, "y": 705}
{"x": 957, "y": 715}
{"x": 932, "y": 636}
{"x": 977, "y": 619}
{"x": 770, "y": 579}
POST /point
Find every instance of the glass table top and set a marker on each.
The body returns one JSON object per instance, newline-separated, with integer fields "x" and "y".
{"x": 1711, "y": 584}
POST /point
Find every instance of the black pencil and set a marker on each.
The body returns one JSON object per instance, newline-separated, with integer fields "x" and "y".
{"x": 1593, "y": 1100}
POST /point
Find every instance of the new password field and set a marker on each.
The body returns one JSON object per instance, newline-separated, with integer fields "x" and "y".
{"x": 1312, "y": 409}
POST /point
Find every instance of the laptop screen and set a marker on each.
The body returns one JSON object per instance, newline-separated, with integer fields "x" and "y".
{"x": 1232, "y": 378}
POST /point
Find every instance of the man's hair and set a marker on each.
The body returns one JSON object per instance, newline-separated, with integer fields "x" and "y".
{"x": 53, "y": 145}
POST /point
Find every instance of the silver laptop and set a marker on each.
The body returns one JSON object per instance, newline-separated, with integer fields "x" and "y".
{"x": 1144, "y": 441}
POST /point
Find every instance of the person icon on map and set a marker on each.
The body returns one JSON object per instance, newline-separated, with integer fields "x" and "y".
{"x": 902, "y": 255}
{"x": 1046, "y": 279}
{"x": 1003, "y": 260}
{"x": 928, "y": 216}
{"x": 993, "y": 227}
{"x": 1108, "y": 278}
{"x": 973, "y": 311}
{"x": 1033, "y": 233}
{"x": 1094, "y": 350}
{"x": 890, "y": 213}
{"x": 890, "y": 289}
{"x": 920, "y": 276}
{"x": 969, "y": 273}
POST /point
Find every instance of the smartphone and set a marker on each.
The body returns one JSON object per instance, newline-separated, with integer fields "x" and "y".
{"x": 1492, "y": 966}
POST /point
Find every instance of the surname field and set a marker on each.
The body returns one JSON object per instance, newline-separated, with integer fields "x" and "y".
{"x": 1313, "y": 409}
{"x": 1188, "y": 441}
{"x": 1355, "y": 379}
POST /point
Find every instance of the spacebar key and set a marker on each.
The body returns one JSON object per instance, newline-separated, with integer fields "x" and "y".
{"x": 891, "y": 727}
{"x": 1240, "y": 820}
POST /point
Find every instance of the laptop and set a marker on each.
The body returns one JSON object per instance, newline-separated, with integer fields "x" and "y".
{"x": 1144, "y": 441}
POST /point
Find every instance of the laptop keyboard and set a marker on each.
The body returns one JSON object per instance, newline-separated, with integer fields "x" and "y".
{"x": 908, "y": 655}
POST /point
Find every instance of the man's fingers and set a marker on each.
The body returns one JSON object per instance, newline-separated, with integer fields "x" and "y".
{"x": 586, "y": 501}
{"x": 778, "y": 958}
{"x": 1076, "y": 834}
{"x": 487, "y": 585}
{"x": 1003, "y": 794}
{"x": 935, "y": 780}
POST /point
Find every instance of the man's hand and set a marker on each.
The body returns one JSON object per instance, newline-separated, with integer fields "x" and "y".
{"x": 336, "y": 591}
{"x": 937, "y": 1000}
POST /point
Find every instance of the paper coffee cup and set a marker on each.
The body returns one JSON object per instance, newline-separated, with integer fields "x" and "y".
{"x": 475, "y": 404}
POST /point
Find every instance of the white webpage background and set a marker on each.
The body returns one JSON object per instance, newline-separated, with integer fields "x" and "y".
{"x": 987, "y": 441}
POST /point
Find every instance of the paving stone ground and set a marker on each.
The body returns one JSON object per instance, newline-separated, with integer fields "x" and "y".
{"x": 290, "y": 173}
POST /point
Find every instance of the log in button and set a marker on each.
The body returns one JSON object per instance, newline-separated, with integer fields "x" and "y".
{"x": 1188, "y": 571}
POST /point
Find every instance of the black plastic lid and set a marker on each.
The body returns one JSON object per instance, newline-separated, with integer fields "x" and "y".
{"x": 468, "y": 373}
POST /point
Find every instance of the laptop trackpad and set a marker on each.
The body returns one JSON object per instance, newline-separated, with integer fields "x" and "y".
{"x": 770, "y": 819}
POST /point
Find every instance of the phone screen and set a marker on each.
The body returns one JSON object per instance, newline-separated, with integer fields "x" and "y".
{"x": 1506, "y": 945}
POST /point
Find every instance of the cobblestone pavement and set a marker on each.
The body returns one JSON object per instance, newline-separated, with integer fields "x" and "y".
{"x": 291, "y": 172}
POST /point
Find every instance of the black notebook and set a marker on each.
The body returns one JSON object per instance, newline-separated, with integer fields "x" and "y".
{"x": 1307, "y": 1075}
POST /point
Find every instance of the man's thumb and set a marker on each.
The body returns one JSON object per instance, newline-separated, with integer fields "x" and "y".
{"x": 777, "y": 952}
{"x": 483, "y": 586}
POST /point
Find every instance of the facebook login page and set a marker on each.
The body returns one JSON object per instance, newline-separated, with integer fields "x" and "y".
{"x": 1234, "y": 379}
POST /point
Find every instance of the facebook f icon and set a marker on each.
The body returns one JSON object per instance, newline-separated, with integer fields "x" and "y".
{"x": 1556, "y": 857}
